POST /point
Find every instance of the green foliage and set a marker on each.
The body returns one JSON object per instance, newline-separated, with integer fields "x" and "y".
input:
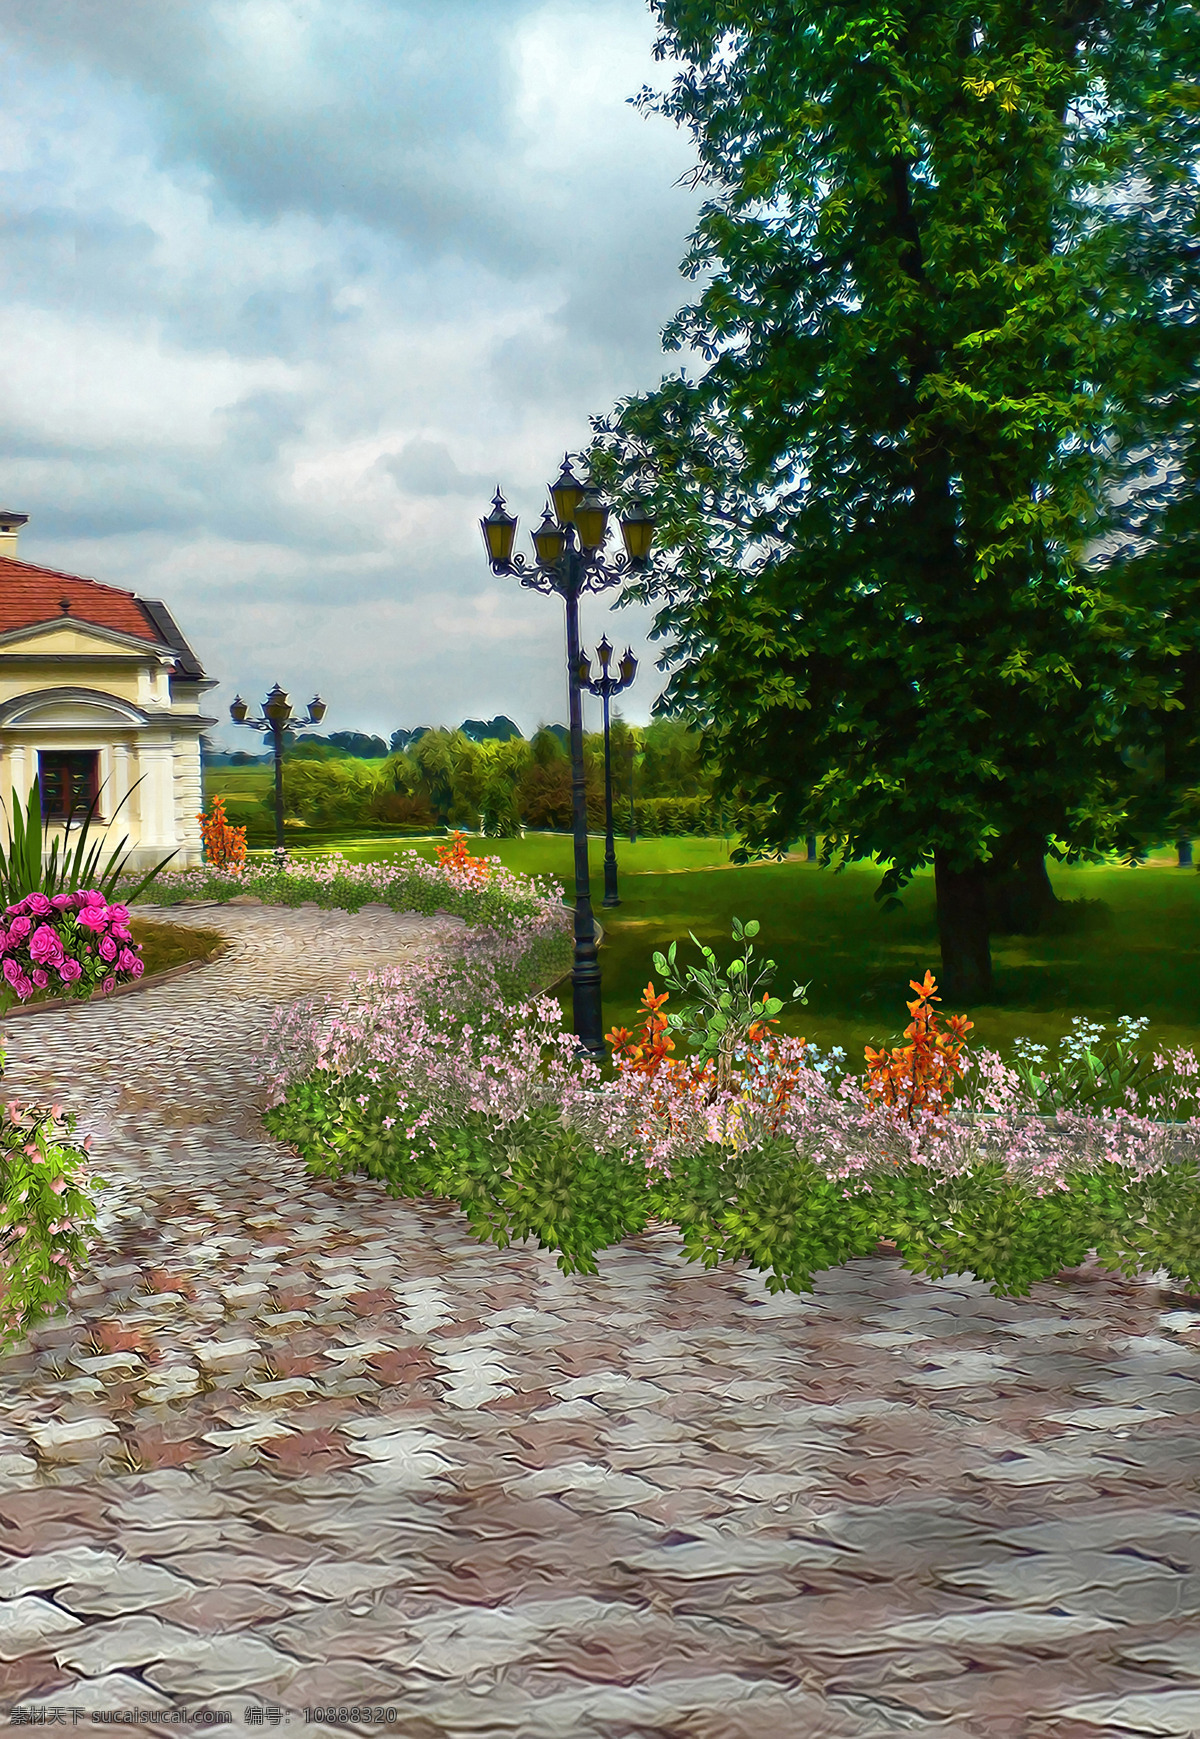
{"x": 540, "y": 1180}
{"x": 665, "y": 817}
{"x": 767, "y": 1207}
{"x": 1096, "y": 1070}
{"x": 722, "y": 1005}
{"x": 45, "y": 1206}
{"x": 671, "y": 760}
{"x": 26, "y": 869}
{"x": 924, "y": 291}
{"x": 327, "y": 793}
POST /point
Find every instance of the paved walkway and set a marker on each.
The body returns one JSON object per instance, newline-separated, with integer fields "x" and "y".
{"x": 303, "y": 1455}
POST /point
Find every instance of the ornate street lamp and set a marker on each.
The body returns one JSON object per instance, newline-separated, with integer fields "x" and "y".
{"x": 277, "y": 718}
{"x": 606, "y": 686}
{"x": 568, "y": 545}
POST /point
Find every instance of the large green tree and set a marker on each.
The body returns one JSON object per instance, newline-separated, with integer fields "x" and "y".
{"x": 918, "y": 319}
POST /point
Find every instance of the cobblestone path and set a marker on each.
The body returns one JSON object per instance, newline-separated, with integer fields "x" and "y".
{"x": 305, "y": 1456}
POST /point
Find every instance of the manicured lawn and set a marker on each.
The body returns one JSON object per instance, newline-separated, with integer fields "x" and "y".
{"x": 1139, "y": 954}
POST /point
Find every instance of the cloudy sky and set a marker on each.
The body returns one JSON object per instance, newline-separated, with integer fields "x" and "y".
{"x": 291, "y": 284}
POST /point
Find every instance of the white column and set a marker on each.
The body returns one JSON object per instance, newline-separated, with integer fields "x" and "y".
{"x": 118, "y": 787}
{"x": 156, "y": 796}
{"x": 189, "y": 799}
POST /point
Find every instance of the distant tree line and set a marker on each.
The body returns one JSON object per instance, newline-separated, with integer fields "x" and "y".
{"x": 498, "y": 782}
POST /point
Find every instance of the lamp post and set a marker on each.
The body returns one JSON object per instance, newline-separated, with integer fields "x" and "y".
{"x": 568, "y": 546}
{"x": 277, "y": 718}
{"x": 606, "y": 686}
{"x": 632, "y": 816}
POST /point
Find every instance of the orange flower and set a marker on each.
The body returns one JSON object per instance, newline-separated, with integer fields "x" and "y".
{"x": 920, "y": 1076}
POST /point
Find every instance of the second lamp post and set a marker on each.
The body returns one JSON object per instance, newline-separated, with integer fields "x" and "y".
{"x": 606, "y": 686}
{"x": 277, "y": 718}
{"x": 568, "y": 545}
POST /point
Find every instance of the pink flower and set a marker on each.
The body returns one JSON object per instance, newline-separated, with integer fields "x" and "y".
{"x": 40, "y": 977}
{"x": 108, "y": 948}
{"x": 24, "y": 987}
{"x": 92, "y": 897}
{"x": 118, "y": 914}
{"x": 63, "y": 902}
{"x": 126, "y": 960}
{"x": 121, "y": 933}
{"x": 19, "y": 929}
{"x": 92, "y": 917}
{"x": 12, "y": 972}
{"x": 37, "y": 904}
{"x": 45, "y": 948}
{"x": 137, "y": 968}
{"x": 109, "y": 985}
{"x": 69, "y": 971}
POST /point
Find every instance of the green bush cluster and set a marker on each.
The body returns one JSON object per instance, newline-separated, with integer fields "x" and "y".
{"x": 446, "y": 779}
{"x": 777, "y": 1212}
{"x": 659, "y": 817}
{"x": 45, "y": 1205}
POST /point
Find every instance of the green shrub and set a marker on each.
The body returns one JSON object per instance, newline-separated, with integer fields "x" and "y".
{"x": 776, "y": 1211}
{"x": 658, "y": 817}
{"x": 45, "y": 1204}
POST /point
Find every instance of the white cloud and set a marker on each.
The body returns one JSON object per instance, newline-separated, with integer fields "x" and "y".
{"x": 290, "y": 284}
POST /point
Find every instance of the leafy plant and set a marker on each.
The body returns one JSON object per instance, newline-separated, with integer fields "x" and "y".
{"x": 45, "y": 1206}
{"x": 726, "y": 1006}
{"x": 458, "y": 862}
{"x": 25, "y": 869}
{"x": 1092, "y": 1071}
{"x": 224, "y": 846}
{"x": 920, "y": 1076}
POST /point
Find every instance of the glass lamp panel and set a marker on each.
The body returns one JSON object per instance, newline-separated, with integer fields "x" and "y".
{"x": 637, "y": 529}
{"x": 277, "y": 707}
{"x": 591, "y": 520}
{"x": 238, "y": 710}
{"x": 566, "y": 492}
{"x": 499, "y": 532}
{"x": 316, "y": 709}
{"x": 549, "y": 540}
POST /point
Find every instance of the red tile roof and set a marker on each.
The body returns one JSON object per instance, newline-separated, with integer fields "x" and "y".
{"x": 29, "y": 595}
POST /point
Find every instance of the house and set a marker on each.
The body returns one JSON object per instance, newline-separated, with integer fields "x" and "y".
{"x": 99, "y": 694}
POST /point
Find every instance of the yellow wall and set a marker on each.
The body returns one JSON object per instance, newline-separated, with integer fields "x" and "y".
{"x": 160, "y": 813}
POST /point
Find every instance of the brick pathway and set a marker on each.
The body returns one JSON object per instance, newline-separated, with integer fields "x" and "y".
{"x": 301, "y": 1448}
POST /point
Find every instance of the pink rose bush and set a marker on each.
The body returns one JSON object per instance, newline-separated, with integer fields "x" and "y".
{"x": 66, "y": 945}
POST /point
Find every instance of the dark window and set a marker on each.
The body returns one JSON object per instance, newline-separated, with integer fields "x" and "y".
{"x": 68, "y": 780}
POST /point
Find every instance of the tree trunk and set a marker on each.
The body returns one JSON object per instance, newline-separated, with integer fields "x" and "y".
{"x": 1020, "y": 897}
{"x": 964, "y": 929}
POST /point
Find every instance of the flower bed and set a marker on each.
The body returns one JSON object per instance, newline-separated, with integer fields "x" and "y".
{"x": 522, "y": 916}
{"x": 758, "y": 1149}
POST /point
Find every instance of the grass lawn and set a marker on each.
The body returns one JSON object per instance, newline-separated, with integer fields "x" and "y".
{"x": 1139, "y": 954}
